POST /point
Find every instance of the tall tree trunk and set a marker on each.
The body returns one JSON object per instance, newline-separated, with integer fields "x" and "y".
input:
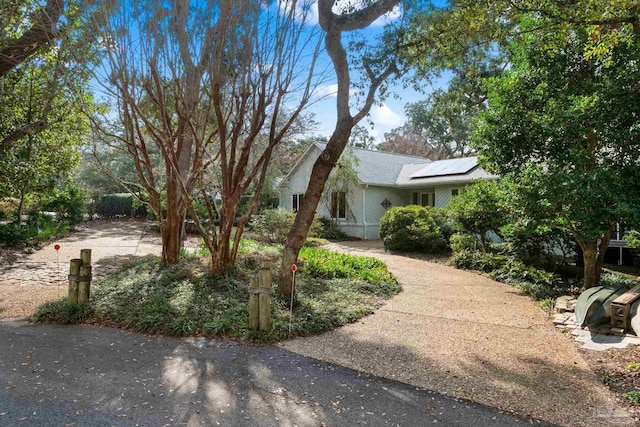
{"x": 589, "y": 257}
{"x": 333, "y": 25}
{"x": 306, "y": 212}
{"x": 171, "y": 223}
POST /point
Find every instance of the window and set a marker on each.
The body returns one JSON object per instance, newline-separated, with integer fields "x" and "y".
{"x": 296, "y": 201}
{"x": 424, "y": 198}
{"x": 454, "y": 192}
{"x": 339, "y": 205}
{"x": 428, "y": 199}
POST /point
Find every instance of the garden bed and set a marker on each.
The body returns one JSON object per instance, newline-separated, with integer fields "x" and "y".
{"x": 187, "y": 299}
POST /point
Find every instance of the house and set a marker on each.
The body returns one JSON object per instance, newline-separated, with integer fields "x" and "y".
{"x": 384, "y": 180}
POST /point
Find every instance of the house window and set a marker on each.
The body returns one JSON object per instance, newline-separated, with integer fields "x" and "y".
{"x": 454, "y": 192}
{"x": 296, "y": 201}
{"x": 339, "y": 205}
{"x": 428, "y": 199}
{"x": 424, "y": 198}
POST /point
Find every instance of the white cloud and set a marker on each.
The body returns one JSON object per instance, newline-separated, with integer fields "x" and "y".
{"x": 327, "y": 90}
{"x": 382, "y": 115}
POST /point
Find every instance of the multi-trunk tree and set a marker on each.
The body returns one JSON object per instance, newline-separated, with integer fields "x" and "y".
{"x": 215, "y": 87}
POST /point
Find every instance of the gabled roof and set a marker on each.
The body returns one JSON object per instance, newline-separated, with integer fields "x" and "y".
{"x": 380, "y": 167}
{"x": 399, "y": 170}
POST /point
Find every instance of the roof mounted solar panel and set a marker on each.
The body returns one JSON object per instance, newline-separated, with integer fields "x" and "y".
{"x": 447, "y": 167}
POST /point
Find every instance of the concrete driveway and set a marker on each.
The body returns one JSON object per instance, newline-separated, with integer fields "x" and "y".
{"x": 465, "y": 335}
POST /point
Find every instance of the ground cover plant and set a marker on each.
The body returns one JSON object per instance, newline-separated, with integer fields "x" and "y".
{"x": 188, "y": 299}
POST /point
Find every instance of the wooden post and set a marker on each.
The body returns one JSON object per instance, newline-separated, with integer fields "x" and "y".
{"x": 254, "y": 304}
{"x": 84, "y": 284}
{"x": 265, "y": 297}
{"x": 74, "y": 270}
{"x": 85, "y": 256}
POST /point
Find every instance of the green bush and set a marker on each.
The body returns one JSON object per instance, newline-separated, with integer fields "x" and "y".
{"x": 325, "y": 264}
{"x": 273, "y": 225}
{"x": 67, "y": 201}
{"x": 477, "y": 260}
{"x": 538, "y": 283}
{"x": 413, "y": 228}
{"x": 329, "y": 230}
{"x": 110, "y": 205}
{"x": 461, "y": 242}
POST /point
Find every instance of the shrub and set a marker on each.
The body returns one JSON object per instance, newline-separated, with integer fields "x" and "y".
{"x": 67, "y": 201}
{"x": 480, "y": 208}
{"x": 273, "y": 225}
{"x": 329, "y": 230}
{"x": 110, "y": 205}
{"x": 461, "y": 242}
{"x": 325, "y": 264}
{"x": 413, "y": 228}
{"x": 538, "y": 283}
{"x": 476, "y": 260}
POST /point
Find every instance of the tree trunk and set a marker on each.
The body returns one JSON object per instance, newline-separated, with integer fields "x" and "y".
{"x": 306, "y": 213}
{"x": 171, "y": 224}
{"x": 589, "y": 257}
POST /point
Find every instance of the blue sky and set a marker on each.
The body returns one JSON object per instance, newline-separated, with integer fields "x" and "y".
{"x": 385, "y": 116}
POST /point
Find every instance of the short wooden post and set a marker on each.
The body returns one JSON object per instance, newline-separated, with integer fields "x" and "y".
{"x": 254, "y": 304}
{"x": 74, "y": 271}
{"x": 265, "y": 297}
{"x": 84, "y": 283}
{"x": 85, "y": 256}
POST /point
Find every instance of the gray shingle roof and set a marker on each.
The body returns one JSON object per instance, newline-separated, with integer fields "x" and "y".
{"x": 379, "y": 167}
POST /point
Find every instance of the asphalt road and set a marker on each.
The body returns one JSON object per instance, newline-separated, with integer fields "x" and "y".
{"x": 52, "y": 375}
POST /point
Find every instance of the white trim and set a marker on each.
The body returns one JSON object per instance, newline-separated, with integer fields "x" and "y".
{"x": 364, "y": 211}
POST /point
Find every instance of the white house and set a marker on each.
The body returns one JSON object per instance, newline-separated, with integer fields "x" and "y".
{"x": 384, "y": 180}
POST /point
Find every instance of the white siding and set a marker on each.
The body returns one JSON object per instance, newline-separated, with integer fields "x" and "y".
{"x": 443, "y": 194}
{"x": 297, "y": 182}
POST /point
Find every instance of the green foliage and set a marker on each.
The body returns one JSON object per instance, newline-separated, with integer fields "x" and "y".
{"x": 566, "y": 129}
{"x": 538, "y": 283}
{"x": 110, "y": 205}
{"x": 273, "y": 225}
{"x": 480, "y": 208}
{"x": 613, "y": 280}
{"x": 634, "y": 366}
{"x": 463, "y": 242}
{"x": 633, "y": 396}
{"x": 67, "y": 201}
{"x": 414, "y": 228}
{"x": 485, "y": 262}
{"x": 39, "y": 228}
{"x": 187, "y": 299}
{"x": 325, "y": 264}
{"x": 331, "y": 231}
{"x": 632, "y": 238}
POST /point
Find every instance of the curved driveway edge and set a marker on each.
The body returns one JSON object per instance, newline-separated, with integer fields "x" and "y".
{"x": 465, "y": 335}
{"x": 52, "y": 375}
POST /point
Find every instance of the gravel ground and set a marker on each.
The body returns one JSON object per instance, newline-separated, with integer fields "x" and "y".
{"x": 466, "y": 335}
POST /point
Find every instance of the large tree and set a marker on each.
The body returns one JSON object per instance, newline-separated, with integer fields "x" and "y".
{"x": 566, "y": 127}
{"x": 214, "y": 87}
{"x": 334, "y": 22}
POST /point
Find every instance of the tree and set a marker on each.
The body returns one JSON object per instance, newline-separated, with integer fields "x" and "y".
{"x": 361, "y": 138}
{"x": 215, "y": 87}
{"x": 565, "y": 127}
{"x": 406, "y": 140}
{"x": 480, "y": 209}
{"x": 34, "y": 158}
{"x": 334, "y": 24}
{"x": 26, "y": 28}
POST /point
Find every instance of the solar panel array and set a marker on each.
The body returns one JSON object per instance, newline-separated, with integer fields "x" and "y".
{"x": 447, "y": 167}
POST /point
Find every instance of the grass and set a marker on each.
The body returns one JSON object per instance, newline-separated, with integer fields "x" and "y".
{"x": 187, "y": 299}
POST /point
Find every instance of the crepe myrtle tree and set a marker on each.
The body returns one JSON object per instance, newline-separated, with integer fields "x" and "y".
{"x": 213, "y": 87}
{"x": 566, "y": 128}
